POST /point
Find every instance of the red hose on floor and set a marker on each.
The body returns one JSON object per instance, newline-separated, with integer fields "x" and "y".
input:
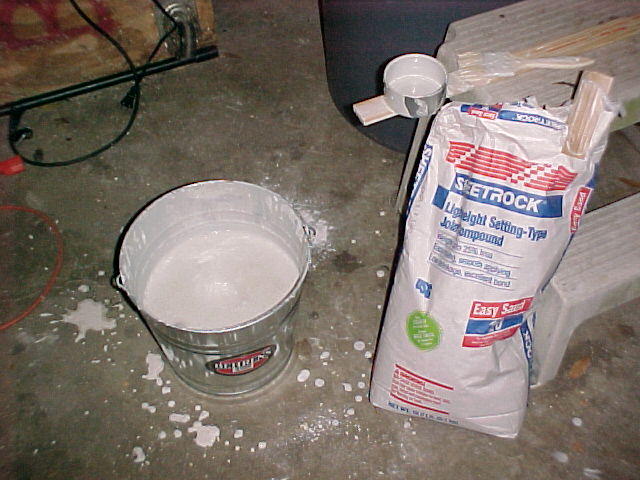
{"x": 56, "y": 269}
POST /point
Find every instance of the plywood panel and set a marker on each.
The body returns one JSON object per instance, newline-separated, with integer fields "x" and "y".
{"x": 46, "y": 45}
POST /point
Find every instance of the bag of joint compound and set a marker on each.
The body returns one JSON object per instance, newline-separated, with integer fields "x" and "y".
{"x": 493, "y": 207}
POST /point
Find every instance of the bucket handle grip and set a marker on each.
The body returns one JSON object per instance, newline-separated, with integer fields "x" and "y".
{"x": 118, "y": 282}
{"x": 310, "y": 232}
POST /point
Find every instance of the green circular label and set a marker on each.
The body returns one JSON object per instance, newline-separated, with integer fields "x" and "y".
{"x": 423, "y": 331}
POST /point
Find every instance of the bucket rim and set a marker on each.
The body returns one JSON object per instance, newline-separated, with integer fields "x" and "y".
{"x": 120, "y": 279}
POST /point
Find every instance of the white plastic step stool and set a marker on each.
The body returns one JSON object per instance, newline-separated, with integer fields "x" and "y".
{"x": 600, "y": 270}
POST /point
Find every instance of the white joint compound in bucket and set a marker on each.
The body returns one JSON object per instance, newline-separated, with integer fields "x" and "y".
{"x": 219, "y": 279}
{"x": 216, "y": 270}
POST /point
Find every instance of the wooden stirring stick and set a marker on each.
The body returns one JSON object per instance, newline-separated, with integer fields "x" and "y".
{"x": 589, "y": 104}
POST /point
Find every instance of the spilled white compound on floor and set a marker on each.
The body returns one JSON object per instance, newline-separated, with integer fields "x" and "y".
{"x": 138, "y": 455}
{"x": 89, "y": 315}
{"x": 206, "y": 435}
{"x": 560, "y": 456}
{"x": 592, "y": 473}
{"x": 155, "y": 365}
{"x": 303, "y": 376}
{"x": 359, "y": 345}
{"x": 196, "y": 425}
{"x": 179, "y": 417}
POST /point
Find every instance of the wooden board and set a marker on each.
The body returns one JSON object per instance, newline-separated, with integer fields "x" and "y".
{"x": 45, "y": 45}
{"x": 534, "y": 22}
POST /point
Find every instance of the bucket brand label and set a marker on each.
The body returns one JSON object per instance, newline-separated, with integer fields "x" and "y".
{"x": 241, "y": 364}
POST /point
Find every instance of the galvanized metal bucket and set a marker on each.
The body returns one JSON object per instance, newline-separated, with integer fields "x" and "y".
{"x": 242, "y": 357}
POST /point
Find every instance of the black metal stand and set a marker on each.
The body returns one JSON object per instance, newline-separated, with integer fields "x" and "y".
{"x": 24, "y": 104}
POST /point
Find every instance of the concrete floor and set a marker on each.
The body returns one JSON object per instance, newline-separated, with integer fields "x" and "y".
{"x": 260, "y": 113}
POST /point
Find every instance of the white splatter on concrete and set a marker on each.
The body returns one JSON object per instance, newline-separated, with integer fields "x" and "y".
{"x": 303, "y": 375}
{"x": 177, "y": 433}
{"x": 179, "y": 417}
{"x": 368, "y": 354}
{"x": 89, "y": 315}
{"x": 577, "y": 421}
{"x": 239, "y": 433}
{"x": 350, "y": 411}
{"x": 324, "y": 355}
{"x": 319, "y": 382}
{"x": 361, "y": 385}
{"x": 347, "y": 387}
{"x": 262, "y": 445}
{"x": 592, "y": 473}
{"x": 358, "y": 345}
{"x": 84, "y": 288}
{"x": 206, "y": 435}
{"x": 138, "y": 455}
{"x": 162, "y": 435}
{"x": 149, "y": 408}
{"x": 560, "y": 456}
{"x": 155, "y": 365}
{"x": 358, "y": 398}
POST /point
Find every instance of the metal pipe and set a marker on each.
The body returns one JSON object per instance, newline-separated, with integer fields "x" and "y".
{"x": 21, "y": 105}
